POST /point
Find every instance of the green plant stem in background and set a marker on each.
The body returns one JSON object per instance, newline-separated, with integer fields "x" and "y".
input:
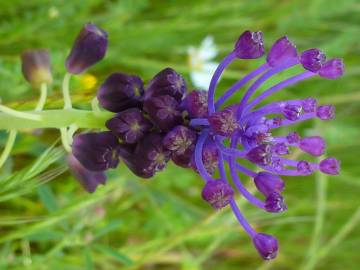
{"x": 17, "y": 114}
{"x": 43, "y": 93}
{"x": 8, "y": 146}
{"x": 66, "y": 91}
{"x": 56, "y": 119}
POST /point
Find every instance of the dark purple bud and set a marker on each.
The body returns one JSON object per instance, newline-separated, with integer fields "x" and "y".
{"x": 129, "y": 125}
{"x": 120, "y": 92}
{"x": 88, "y": 49}
{"x": 325, "y": 112}
{"x": 268, "y": 183}
{"x": 292, "y": 112}
{"x": 150, "y": 156}
{"x": 293, "y": 137}
{"x": 35, "y": 66}
{"x": 195, "y": 103}
{"x": 260, "y": 155}
{"x": 274, "y": 203}
{"x": 304, "y": 167}
{"x": 314, "y": 145}
{"x": 184, "y": 160}
{"x": 281, "y": 149}
{"x": 330, "y": 166}
{"x": 210, "y": 157}
{"x": 282, "y": 52}
{"x": 218, "y": 193}
{"x": 96, "y": 151}
{"x": 179, "y": 139}
{"x": 312, "y": 59}
{"x": 332, "y": 69}
{"x": 166, "y": 82}
{"x": 163, "y": 112}
{"x": 224, "y": 122}
{"x": 266, "y": 245}
{"x": 309, "y": 105}
{"x": 250, "y": 45}
{"x": 88, "y": 179}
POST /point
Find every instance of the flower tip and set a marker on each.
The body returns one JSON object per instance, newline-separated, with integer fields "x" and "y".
{"x": 250, "y": 45}
{"x": 224, "y": 122}
{"x": 266, "y": 245}
{"x": 332, "y": 69}
{"x": 313, "y": 145}
{"x": 312, "y": 60}
{"x": 275, "y": 203}
{"x": 89, "y": 48}
{"x": 283, "y": 51}
{"x": 268, "y": 183}
{"x": 330, "y": 166}
{"x": 325, "y": 112}
{"x": 218, "y": 193}
{"x": 35, "y": 66}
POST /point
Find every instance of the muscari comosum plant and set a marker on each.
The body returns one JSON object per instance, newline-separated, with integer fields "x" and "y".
{"x": 146, "y": 127}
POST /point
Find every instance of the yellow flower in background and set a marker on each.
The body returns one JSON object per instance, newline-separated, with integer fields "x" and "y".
{"x": 200, "y": 61}
{"x": 87, "y": 81}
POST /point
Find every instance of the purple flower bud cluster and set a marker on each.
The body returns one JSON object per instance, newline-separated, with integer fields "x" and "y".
{"x": 160, "y": 121}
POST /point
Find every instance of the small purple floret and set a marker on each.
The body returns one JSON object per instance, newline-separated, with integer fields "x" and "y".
{"x": 313, "y": 59}
{"x": 281, "y": 149}
{"x": 266, "y": 245}
{"x": 260, "y": 155}
{"x": 179, "y": 139}
{"x": 268, "y": 183}
{"x": 292, "y": 112}
{"x": 293, "y": 137}
{"x": 304, "y": 167}
{"x": 309, "y": 105}
{"x": 195, "y": 103}
{"x": 314, "y": 145}
{"x": 250, "y": 45}
{"x": 35, "y": 66}
{"x": 89, "y": 48}
{"x": 330, "y": 166}
{"x": 210, "y": 157}
{"x": 224, "y": 122}
{"x": 274, "y": 203}
{"x": 218, "y": 193}
{"x": 282, "y": 52}
{"x": 325, "y": 112}
{"x": 332, "y": 69}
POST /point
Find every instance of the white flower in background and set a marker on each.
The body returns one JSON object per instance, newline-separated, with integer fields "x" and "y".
{"x": 200, "y": 61}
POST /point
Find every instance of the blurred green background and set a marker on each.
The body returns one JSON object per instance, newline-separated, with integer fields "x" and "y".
{"x": 48, "y": 222}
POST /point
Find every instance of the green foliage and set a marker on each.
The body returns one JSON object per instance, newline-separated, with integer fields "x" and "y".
{"x": 48, "y": 222}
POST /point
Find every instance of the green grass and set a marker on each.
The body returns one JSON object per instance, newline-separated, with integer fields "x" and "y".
{"x": 48, "y": 222}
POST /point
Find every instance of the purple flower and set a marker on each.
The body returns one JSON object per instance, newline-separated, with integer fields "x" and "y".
{"x": 218, "y": 193}
{"x": 325, "y": 112}
{"x": 292, "y": 112}
{"x": 120, "y": 92}
{"x": 195, "y": 103}
{"x": 129, "y": 125}
{"x": 89, "y": 48}
{"x": 283, "y": 51}
{"x": 313, "y": 59}
{"x": 268, "y": 183}
{"x": 293, "y": 137}
{"x": 163, "y": 111}
{"x": 332, "y": 69}
{"x": 88, "y": 179}
{"x": 266, "y": 245}
{"x": 309, "y": 105}
{"x": 224, "y": 122}
{"x": 210, "y": 157}
{"x": 314, "y": 145}
{"x": 275, "y": 203}
{"x": 35, "y": 66}
{"x": 281, "y": 149}
{"x": 250, "y": 45}
{"x": 330, "y": 166}
{"x": 179, "y": 139}
{"x": 184, "y": 160}
{"x": 96, "y": 151}
{"x": 260, "y": 155}
{"x": 304, "y": 167}
{"x": 166, "y": 82}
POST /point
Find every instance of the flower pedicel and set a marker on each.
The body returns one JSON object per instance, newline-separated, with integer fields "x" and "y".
{"x": 161, "y": 121}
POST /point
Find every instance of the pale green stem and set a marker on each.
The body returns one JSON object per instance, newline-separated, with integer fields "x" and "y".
{"x": 8, "y": 146}
{"x": 65, "y": 139}
{"x": 71, "y": 131}
{"x": 66, "y": 91}
{"x": 43, "y": 93}
{"x": 95, "y": 105}
{"x": 17, "y": 114}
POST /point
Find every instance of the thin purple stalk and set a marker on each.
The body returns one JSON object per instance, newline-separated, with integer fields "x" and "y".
{"x": 215, "y": 78}
{"x": 258, "y": 83}
{"x": 199, "y": 122}
{"x": 278, "y": 87}
{"x": 228, "y": 151}
{"x": 243, "y": 222}
{"x": 198, "y": 155}
{"x": 245, "y": 170}
{"x": 251, "y": 198}
{"x": 240, "y": 84}
{"x": 286, "y": 122}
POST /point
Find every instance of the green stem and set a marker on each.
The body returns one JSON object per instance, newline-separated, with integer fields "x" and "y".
{"x": 43, "y": 93}
{"x": 17, "y": 114}
{"x": 56, "y": 119}
{"x": 65, "y": 139}
{"x": 8, "y": 146}
{"x": 66, "y": 91}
